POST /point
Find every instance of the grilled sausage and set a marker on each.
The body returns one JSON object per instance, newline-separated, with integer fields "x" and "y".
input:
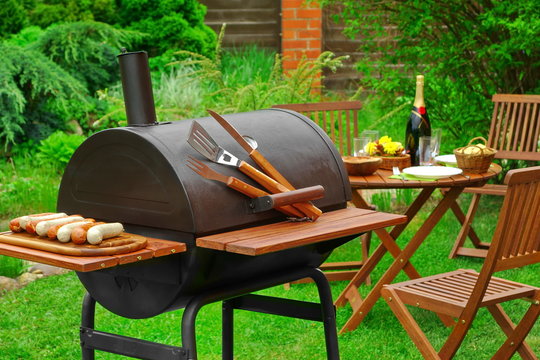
{"x": 64, "y": 232}
{"x": 98, "y": 233}
{"x": 53, "y": 230}
{"x": 41, "y": 227}
{"x": 78, "y": 235}
{"x": 15, "y": 224}
{"x": 26, "y": 220}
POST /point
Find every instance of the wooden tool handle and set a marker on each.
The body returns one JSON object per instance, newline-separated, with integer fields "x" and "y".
{"x": 253, "y": 192}
{"x": 266, "y": 181}
{"x": 308, "y": 209}
{"x": 269, "y": 169}
{"x": 297, "y": 196}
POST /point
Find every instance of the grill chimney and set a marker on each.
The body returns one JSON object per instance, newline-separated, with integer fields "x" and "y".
{"x": 137, "y": 87}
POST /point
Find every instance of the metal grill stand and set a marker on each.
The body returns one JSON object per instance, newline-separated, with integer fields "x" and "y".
{"x": 235, "y": 297}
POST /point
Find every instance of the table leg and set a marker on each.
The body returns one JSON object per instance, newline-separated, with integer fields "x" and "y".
{"x": 350, "y": 291}
{"x": 402, "y": 260}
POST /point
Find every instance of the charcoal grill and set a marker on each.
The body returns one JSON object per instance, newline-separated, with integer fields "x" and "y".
{"x": 137, "y": 175}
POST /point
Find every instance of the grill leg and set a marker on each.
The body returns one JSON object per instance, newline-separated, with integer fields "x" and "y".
{"x": 227, "y": 331}
{"x": 87, "y": 321}
{"x": 328, "y": 313}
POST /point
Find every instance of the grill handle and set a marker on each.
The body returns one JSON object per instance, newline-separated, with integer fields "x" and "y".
{"x": 264, "y": 203}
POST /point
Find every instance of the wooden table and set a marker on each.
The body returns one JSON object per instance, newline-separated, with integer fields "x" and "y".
{"x": 381, "y": 180}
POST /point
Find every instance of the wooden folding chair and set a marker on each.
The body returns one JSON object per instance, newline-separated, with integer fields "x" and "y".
{"x": 514, "y": 133}
{"x": 461, "y": 293}
{"x": 340, "y": 121}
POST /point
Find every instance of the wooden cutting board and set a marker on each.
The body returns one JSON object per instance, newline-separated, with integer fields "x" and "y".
{"x": 122, "y": 244}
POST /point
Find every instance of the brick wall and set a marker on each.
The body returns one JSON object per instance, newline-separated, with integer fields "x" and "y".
{"x": 301, "y": 31}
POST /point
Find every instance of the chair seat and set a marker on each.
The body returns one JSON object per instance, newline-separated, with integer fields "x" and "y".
{"x": 448, "y": 293}
{"x": 488, "y": 189}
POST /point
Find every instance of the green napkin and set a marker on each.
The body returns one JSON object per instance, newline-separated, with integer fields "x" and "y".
{"x": 410, "y": 177}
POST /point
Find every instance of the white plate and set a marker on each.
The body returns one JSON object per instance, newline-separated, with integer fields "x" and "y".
{"x": 446, "y": 159}
{"x": 432, "y": 172}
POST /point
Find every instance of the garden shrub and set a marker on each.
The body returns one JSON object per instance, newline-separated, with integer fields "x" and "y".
{"x": 228, "y": 91}
{"x": 467, "y": 50}
{"x": 44, "y": 13}
{"x": 32, "y": 86}
{"x": 58, "y": 148}
{"x": 171, "y": 25}
{"x": 13, "y": 15}
{"x": 87, "y": 50}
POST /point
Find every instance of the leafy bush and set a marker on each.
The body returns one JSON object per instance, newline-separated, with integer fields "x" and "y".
{"x": 171, "y": 25}
{"x": 87, "y": 50}
{"x": 29, "y": 81}
{"x": 44, "y": 13}
{"x": 13, "y": 17}
{"x": 226, "y": 91}
{"x": 58, "y": 148}
{"x": 467, "y": 50}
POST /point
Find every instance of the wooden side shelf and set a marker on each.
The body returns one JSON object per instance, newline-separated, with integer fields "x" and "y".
{"x": 154, "y": 248}
{"x": 285, "y": 235}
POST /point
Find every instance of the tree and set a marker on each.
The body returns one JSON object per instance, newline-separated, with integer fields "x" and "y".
{"x": 467, "y": 50}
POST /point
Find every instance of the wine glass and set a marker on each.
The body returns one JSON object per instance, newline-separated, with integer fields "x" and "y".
{"x": 436, "y": 135}
{"x": 373, "y": 135}
{"x": 425, "y": 150}
{"x": 360, "y": 146}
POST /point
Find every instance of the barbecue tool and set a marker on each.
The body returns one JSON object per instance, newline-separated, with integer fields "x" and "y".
{"x": 236, "y": 184}
{"x": 201, "y": 141}
{"x": 310, "y": 210}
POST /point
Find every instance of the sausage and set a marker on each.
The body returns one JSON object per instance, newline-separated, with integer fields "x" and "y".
{"x": 64, "y": 232}
{"x": 53, "y": 230}
{"x": 97, "y": 233}
{"x": 41, "y": 227}
{"x": 78, "y": 235}
{"x": 26, "y": 221}
{"x": 15, "y": 224}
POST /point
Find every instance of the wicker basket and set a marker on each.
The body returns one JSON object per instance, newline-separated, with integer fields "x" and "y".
{"x": 402, "y": 162}
{"x": 477, "y": 162}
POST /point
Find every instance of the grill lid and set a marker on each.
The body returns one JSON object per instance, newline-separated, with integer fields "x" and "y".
{"x": 137, "y": 175}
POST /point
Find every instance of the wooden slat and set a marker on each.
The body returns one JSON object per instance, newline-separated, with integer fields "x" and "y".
{"x": 286, "y": 235}
{"x": 350, "y": 139}
{"x": 330, "y": 112}
{"x": 322, "y": 106}
{"x": 488, "y": 189}
{"x": 154, "y": 248}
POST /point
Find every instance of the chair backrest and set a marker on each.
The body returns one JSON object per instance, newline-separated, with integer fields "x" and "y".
{"x": 516, "y": 241}
{"x": 338, "y": 118}
{"x": 515, "y": 126}
{"x": 517, "y": 236}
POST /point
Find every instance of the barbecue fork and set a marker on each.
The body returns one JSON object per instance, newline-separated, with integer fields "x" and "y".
{"x": 236, "y": 184}
{"x": 202, "y": 142}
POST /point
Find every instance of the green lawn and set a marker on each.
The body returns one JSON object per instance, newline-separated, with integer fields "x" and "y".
{"x": 41, "y": 321}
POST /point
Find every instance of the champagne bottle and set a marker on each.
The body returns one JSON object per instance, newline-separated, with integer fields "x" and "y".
{"x": 418, "y": 124}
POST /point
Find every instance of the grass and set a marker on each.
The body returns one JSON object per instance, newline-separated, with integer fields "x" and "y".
{"x": 41, "y": 321}
{"x": 26, "y": 187}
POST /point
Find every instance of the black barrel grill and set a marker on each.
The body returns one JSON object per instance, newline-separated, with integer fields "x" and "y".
{"x": 137, "y": 175}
